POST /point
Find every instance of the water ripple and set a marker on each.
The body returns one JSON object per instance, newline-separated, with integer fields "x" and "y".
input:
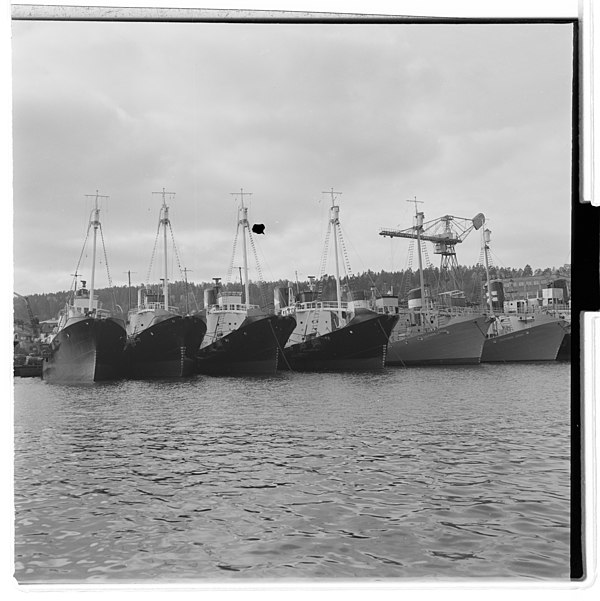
{"x": 296, "y": 476}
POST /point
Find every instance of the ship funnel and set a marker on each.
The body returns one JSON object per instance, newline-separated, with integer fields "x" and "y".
{"x": 210, "y": 297}
{"x": 478, "y": 220}
{"x": 281, "y": 298}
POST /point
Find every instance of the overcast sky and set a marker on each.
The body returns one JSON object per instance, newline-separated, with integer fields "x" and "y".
{"x": 467, "y": 118}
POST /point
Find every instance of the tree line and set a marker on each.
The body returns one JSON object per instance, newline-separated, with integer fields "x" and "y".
{"x": 188, "y": 297}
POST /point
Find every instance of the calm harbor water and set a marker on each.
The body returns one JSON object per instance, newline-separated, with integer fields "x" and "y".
{"x": 433, "y": 473}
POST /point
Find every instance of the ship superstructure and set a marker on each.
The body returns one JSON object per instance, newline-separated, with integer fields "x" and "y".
{"x": 161, "y": 342}
{"x": 241, "y": 338}
{"x": 430, "y": 331}
{"x": 88, "y": 343}
{"x": 333, "y": 335}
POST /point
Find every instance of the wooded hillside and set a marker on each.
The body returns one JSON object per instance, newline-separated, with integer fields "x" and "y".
{"x": 468, "y": 279}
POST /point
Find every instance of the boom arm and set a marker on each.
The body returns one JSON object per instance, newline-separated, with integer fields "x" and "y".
{"x": 448, "y": 236}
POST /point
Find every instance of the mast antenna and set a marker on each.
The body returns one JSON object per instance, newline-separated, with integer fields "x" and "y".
{"x": 335, "y": 222}
{"x": 243, "y": 221}
{"x": 164, "y": 221}
{"x": 95, "y": 223}
{"x": 418, "y": 228}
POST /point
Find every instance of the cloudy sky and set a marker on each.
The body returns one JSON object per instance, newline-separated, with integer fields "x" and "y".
{"x": 467, "y": 118}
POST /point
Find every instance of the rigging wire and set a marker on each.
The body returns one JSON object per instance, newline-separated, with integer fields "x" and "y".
{"x": 344, "y": 251}
{"x": 261, "y": 281}
{"x": 153, "y": 254}
{"x": 110, "y": 285}
{"x": 230, "y": 268}
{"x": 325, "y": 252}
{"x": 74, "y": 282}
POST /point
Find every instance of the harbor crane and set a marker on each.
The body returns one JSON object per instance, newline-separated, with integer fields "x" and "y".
{"x": 34, "y": 322}
{"x": 444, "y": 232}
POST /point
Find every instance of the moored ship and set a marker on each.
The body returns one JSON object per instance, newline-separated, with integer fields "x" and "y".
{"x": 523, "y": 336}
{"x": 161, "y": 343}
{"x": 433, "y": 337}
{"x": 88, "y": 343}
{"x": 333, "y": 335}
{"x": 241, "y": 338}
{"x": 445, "y": 333}
{"x": 533, "y": 337}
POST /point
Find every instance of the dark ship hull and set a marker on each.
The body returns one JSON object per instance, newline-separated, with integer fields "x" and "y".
{"x": 88, "y": 350}
{"x": 360, "y": 345}
{"x": 254, "y": 348}
{"x": 166, "y": 349}
{"x": 460, "y": 342}
{"x": 536, "y": 343}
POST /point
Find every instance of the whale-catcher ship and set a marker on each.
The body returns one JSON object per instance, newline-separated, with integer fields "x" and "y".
{"x": 161, "y": 342}
{"x": 441, "y": 332}
{"x": 88, "y": 343}
{"x": 524, "y": 335}
{"x": 241, "y": 338}
{"x": 333, "y": 335}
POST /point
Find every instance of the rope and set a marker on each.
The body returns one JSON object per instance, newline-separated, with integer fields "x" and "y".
{"x": 325, "y": 252}
{"x": 176, "y": 252}
{"x": 81, "y": 256}
{"x": 112, "y": 290}
{"x": 230, "y": 269}
{"x": 105, "y": 258}
{"x": 258, "y": 269}
{"x": 425, "y": 253}
{"x": 279, "y": 347}
{"x": 153, "y": 254}
{"x": 406, "y": 281}
{"x": 345, "y": 253}
{"x": 323, "y": 261}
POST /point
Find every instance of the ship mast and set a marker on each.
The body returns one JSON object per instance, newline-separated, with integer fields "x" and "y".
{"x": 95, "y": 223}
{"x": 418, "y": 227}
{"x": 486, "y": 237}
{"x": 164, "y": 221}
{"x": 243, "y": 221}
{"x": 335, "y": 222}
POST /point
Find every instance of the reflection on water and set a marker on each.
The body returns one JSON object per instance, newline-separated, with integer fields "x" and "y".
{"x": 410, "y": 473}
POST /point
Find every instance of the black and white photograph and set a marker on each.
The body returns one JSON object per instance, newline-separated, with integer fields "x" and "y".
{"x": 292, "y": 297}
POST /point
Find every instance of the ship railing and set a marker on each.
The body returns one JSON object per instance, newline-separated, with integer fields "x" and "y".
{"x": 322, "y": 305}
{"x": 437, "y": 309}
{"x": 314, "y": 305}
{"x": 152, "y": 306}
{"x": 457, "y": 310}
{"x": 233, "y": 307}
{"x": 539, "y": 309}
{"x": 562, "y": 313}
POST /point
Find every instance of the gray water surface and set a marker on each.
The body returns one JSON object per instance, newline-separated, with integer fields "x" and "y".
{"x": 432, "y": 473}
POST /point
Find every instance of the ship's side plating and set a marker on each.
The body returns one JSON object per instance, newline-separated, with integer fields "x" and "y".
{"x": 252, "y": 347}
{"x": 458, "y": 342}
{"x": 86, "y": 350}
{"x": 537, "y": 339}
{"x": 88, "y": 343}
{"x": 167, "y": 347}
{"x": 358, "y": 345}
{"x": 161, "y": 342}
